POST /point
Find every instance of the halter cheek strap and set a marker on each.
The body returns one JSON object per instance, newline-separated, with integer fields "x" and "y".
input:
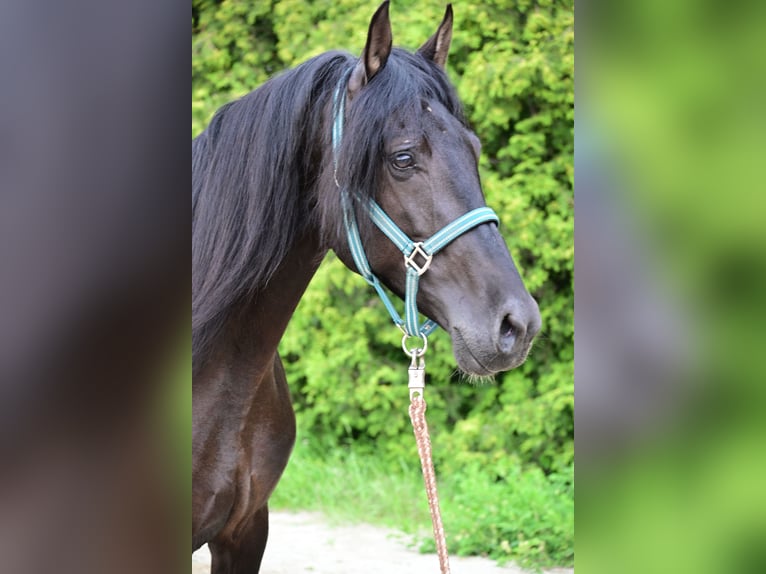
{"x": 417, "y": 255}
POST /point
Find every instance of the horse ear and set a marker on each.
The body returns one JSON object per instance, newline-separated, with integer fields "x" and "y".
{"x": 376, "y": 51}
{"x": 437, "y": 46}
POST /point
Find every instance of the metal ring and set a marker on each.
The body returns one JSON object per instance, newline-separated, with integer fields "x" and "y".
{"x": 417, "y": 352}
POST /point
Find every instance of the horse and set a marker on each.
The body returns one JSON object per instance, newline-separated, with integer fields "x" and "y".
{"x": 271, "y": 176}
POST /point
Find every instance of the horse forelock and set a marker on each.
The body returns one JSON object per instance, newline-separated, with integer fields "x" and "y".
{"x": 398, "y": 90}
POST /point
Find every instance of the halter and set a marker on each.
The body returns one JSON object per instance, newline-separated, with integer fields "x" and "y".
{"x": 417, "y": 254}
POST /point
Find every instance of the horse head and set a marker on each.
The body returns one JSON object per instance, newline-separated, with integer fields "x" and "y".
{"x": 407, "y": 148}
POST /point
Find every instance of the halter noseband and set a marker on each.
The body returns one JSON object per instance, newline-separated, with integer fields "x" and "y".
{"x": 417, "y": 255}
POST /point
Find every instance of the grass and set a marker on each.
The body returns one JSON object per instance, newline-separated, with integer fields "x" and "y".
{"x": 352, "y": 488}
{"x": 525, "y": 516}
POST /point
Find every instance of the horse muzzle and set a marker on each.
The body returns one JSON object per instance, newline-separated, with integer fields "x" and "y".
{"x": 502, "y": 344}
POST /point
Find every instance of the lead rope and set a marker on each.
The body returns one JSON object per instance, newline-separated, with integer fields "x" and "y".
{"x": 417, "y": 383}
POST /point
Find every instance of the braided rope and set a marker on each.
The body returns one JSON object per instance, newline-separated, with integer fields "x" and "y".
{"x": 420, "y": 428}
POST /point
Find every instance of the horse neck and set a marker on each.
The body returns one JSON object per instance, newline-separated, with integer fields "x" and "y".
{"x": 257, "y": 329}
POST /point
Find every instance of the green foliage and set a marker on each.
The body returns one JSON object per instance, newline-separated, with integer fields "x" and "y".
{"x": 233, "y": 51}
{"x": 522, "y": 516}
{"x": 513, "y": 66}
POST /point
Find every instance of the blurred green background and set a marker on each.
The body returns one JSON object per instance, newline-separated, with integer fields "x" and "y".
{"x": 671, "y": 116}
{"x": 504, "y": 449}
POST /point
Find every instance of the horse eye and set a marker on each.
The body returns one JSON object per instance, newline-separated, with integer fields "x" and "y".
{"x": 403, "y": 160}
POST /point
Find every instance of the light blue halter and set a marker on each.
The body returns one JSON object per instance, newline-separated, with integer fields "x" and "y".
{"x": 417, "y": 255}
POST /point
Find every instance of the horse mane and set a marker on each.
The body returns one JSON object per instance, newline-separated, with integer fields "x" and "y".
{"x": 255, "y": 165}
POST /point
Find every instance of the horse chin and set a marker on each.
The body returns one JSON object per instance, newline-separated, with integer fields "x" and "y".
{"x": 471, "y": 367}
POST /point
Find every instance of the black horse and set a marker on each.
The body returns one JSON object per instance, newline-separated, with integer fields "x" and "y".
{"x": 267, "y": 208}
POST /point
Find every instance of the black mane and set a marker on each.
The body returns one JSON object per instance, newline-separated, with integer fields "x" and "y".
{"x": 258, "y": 166}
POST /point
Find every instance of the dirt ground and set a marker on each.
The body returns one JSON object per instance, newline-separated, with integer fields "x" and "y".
{"x": 306, "y": 542}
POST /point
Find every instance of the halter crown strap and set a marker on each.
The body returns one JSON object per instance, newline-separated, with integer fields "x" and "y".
{"x": 417, "y": 255}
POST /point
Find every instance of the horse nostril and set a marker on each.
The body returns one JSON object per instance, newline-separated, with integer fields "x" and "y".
{"x": 506, "y": 328}
{"x": 519, "y": 324}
